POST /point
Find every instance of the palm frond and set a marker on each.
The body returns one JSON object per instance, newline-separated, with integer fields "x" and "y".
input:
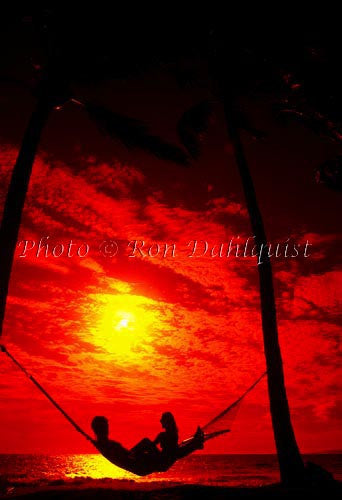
{"x": 245, "y": 124}
{"x": 192, "y": 125}
{"x": 316, "y": 121}
{"x": 330, "y": 174}
{"x": 134, "y": 134}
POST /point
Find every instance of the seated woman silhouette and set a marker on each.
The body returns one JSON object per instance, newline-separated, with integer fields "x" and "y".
{"x": 147, "y": 456}
{"x": 165, "y": 446}
{"x": 168, "y": 439}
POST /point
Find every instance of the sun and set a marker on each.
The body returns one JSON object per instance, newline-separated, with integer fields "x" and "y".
{"x": 123, "y": 325}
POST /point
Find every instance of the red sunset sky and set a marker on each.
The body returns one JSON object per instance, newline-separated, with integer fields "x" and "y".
{"x": 129, "y": 337}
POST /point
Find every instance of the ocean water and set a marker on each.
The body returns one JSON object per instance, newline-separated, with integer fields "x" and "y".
{"x": 225, "y": 470}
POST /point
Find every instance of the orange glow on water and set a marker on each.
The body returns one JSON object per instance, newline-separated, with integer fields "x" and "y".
{"x": 96, "y": 467}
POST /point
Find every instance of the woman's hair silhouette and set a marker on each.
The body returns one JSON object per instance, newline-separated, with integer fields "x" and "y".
{"x": 169, "y": 423}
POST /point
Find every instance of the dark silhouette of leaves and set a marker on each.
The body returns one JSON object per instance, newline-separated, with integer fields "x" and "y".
{"x": 243, "y": 122}
{"x": 192, "y": 125}
{"x": 330, "y": 174}
{"x": 134, "y": 134}
{"x": 319, "y": 123}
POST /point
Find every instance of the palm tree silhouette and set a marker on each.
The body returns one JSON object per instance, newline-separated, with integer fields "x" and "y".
{"x": 52, "y": 91}
{"x": 305, "y": 82}
{"x": 290, "y": 462}
{"x": 225, "y": 71}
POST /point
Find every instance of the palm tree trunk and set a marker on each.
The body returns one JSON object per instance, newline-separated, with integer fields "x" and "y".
{"x": 16, "y": 195}
{"x": 290, "y": 461}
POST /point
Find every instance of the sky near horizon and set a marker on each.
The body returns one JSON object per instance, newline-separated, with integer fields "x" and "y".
{"x": 130, "y": 336}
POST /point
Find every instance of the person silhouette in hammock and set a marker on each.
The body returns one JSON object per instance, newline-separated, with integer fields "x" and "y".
{"x": 144, "y": 458}
{"x": 147, "y": 455}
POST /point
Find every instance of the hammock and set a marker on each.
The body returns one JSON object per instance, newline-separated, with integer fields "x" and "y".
{"x": 216, "y": 427}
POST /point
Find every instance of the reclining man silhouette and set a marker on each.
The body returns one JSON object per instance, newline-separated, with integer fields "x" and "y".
{"x": 146, "y": 457}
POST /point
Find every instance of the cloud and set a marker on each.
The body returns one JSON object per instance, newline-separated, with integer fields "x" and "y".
{"x": 125, "y": 335}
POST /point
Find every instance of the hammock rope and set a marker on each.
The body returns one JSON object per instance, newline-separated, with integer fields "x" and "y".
{"x": 235, "y": 404}
{"x": 84, "y": 434}
{"x": 46, "y": 394}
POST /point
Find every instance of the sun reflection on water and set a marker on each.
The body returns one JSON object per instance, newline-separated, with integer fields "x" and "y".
{"x": 95, "y": 467}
